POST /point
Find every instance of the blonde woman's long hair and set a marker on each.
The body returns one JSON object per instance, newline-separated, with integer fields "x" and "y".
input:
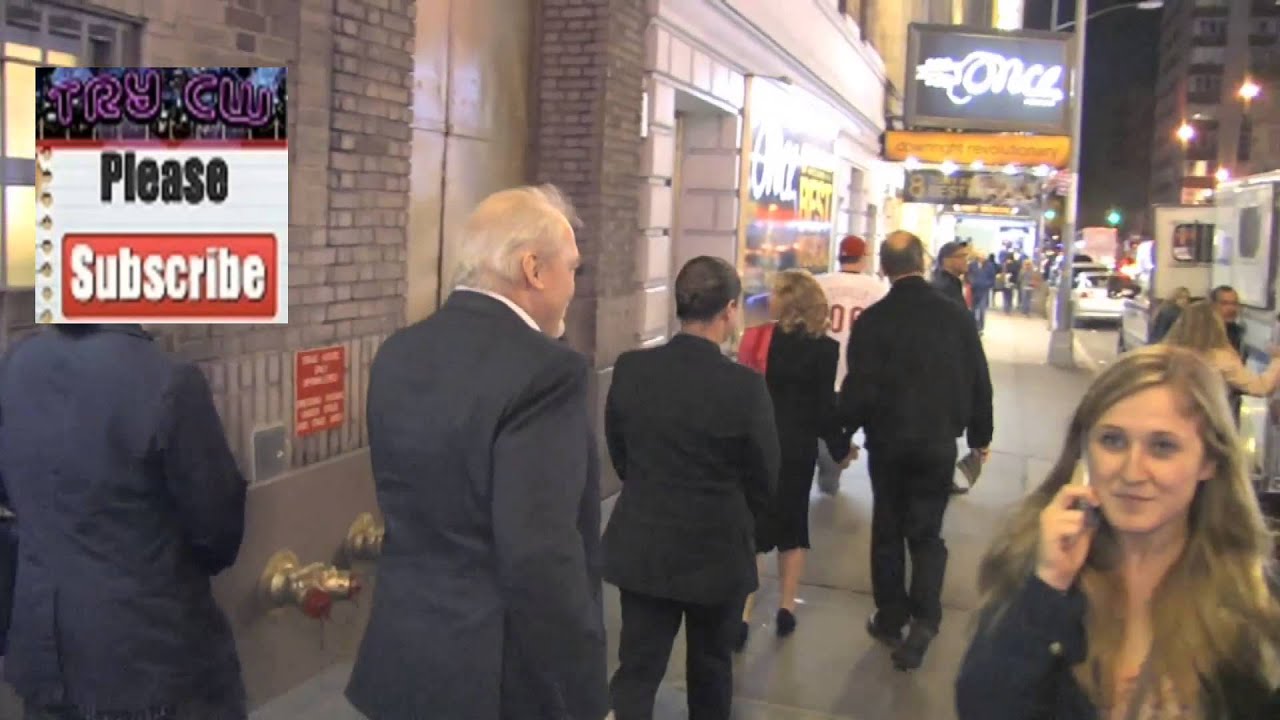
{"x": 799, "y": 303}
{"x": 1214, "y": 610}
{"x": 1199, "y": 328}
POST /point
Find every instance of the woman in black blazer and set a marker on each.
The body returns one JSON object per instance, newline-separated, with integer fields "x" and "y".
{"x": 801, "y": 375}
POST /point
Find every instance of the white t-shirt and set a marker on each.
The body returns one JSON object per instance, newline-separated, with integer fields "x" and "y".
{"x": 848, "y": 294}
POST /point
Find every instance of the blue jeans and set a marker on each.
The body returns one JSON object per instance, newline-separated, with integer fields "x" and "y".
{"x": 981, "y": 301}
{"x": 1024, "y": 295}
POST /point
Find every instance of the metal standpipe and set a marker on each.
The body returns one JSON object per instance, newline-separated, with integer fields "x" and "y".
{"x": 1062, "y": 338}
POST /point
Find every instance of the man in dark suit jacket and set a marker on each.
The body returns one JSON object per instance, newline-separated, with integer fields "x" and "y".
{"x": 128, "y": 500}
{"x": 488, "y": 604}
{"x": 692, "y": 436}
{"x": 917, "y": 380}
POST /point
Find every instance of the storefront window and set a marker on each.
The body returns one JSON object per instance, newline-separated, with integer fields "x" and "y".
{"x": 34, "y": 34}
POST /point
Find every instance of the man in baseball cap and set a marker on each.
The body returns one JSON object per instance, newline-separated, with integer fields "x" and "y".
{"x": 849, "y": 292}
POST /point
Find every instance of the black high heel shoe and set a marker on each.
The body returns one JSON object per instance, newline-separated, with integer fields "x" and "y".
{"x": 786, "y": 622}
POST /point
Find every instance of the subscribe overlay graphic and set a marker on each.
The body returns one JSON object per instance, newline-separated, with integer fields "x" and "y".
{"x": 162, "y": 195}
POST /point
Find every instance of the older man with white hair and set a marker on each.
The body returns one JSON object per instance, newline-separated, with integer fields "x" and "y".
{"x": 488, "y": 604}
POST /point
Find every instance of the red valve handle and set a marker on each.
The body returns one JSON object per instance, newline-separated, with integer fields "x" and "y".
{"x": 316, "y": 604}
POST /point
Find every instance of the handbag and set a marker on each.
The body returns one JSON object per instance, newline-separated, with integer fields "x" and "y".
{"x": 753, "y": 351}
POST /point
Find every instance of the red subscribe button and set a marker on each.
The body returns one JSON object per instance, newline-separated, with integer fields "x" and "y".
{"x": 169, "y": 276}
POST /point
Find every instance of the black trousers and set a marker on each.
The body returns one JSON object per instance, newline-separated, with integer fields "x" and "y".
{"x": 911, "y": 486}
{"x": 649, "y": 627}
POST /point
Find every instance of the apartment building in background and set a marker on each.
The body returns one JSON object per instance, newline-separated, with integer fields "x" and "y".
{"x": 1205, "y": 128}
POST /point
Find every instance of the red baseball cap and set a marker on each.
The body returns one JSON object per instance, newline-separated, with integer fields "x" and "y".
{"x": 852, "y": 248}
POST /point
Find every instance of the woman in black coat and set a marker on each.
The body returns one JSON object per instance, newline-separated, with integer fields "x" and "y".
{"x": 800, "y": 373}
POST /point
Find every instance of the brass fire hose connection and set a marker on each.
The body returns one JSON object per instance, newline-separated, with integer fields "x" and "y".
{"x": 364, "y": 539}
{"x": 310, "y": 588}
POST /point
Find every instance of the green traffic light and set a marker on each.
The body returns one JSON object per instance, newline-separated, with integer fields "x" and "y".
{"x": 1050, "y": 215}
{"x": 1113, "y": 217}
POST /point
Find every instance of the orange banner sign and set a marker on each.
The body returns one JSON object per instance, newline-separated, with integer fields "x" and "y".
{"x": 967, "y": 148}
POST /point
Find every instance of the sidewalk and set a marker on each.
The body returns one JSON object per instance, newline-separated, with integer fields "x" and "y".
{"x": 830, "y": 668}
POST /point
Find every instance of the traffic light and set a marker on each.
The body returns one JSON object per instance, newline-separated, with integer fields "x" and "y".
{"x": 1050, "y": 214}
{"x": 1113, "y": 218}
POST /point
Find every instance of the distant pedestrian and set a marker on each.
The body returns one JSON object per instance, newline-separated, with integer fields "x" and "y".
{"x": 850, "y": 291}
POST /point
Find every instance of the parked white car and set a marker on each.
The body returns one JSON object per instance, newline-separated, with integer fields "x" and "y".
{"x": 1102, "y": 295}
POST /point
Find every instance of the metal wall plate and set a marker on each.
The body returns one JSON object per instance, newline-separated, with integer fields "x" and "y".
{"x": 270, "y": 456}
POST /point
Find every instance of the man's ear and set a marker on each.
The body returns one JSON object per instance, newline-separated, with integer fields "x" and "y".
{"x": 532, "y": 270}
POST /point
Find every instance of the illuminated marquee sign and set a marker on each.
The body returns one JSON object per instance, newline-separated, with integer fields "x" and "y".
{"x": 981, "y": 79}
{"x": 162, "y": 195}
{"x": 985, "y": 73}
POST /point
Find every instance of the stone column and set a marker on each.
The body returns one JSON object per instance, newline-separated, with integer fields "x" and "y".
{"x": 588, "y": 81}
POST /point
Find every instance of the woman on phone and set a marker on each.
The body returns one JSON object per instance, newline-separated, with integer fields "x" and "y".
{"x": 1134, "y": 583}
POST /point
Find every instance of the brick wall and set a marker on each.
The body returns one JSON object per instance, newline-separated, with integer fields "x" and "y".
{"x": 349, "y": 84}
{"x": 589, "y": 83}
{"x": 589, "y": 86}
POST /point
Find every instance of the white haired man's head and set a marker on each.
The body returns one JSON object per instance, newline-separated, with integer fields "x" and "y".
{"x": 520, "y": 244}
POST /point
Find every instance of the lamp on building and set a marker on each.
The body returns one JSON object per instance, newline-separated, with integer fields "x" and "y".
{"x": 1186, "y": 133}
{"x": 1222, "y": 175}
{"x": 1250, "y": 90}
{"x": 949, "y": 168}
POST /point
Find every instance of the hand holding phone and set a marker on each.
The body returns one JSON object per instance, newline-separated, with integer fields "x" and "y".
{"x": 1067, "y": 528}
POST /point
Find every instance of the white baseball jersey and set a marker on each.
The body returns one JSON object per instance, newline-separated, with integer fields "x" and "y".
{"x": 848, "y": 294}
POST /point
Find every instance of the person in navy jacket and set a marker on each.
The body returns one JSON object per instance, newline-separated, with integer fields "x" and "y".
{"x": 128, "y": 500}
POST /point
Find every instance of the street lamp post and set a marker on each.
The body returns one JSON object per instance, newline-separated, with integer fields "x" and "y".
{"x": 1062, "y": 339}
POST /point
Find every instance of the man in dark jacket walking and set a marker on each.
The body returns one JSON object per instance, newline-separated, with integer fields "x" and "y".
{"x": 692, "y": 436}
{"x": 918, "y": 379}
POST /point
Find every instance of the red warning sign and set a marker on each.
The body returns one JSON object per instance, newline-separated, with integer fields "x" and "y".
{"x": 320, "y": 389}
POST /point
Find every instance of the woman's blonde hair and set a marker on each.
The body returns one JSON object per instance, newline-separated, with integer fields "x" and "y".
{"x": 1200, "y": 328}
{"x": 799, "y": 303}
{"x": 1213, "y": 610}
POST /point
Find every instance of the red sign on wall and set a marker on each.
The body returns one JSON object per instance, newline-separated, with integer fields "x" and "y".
{"x": 320, "y": 389}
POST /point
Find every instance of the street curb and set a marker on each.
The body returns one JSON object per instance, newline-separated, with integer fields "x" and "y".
{"x": 1089, "y": 362}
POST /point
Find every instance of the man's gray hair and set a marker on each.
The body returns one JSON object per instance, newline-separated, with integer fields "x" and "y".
{"x": 505, "y": 226}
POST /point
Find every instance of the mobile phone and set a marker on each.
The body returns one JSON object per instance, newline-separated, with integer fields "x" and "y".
{"x": 1092, "y": 515}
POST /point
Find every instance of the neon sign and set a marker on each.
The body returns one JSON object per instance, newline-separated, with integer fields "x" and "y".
{"x": 986, "y": 73}
{"x": 775, "y": 162}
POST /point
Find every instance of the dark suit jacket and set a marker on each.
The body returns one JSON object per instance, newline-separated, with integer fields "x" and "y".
{"x": 127, "y": 498}
{"x": 917, "y": 371}
{"x": 691, "y": 434}
{"x": 488, "y": 603}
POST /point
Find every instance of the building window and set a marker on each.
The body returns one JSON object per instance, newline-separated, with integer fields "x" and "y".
{"x": 1205, "y": 84}
{"x": 1208, "y": 55}
{"x": 1211, "y": 29}
{"x": 34, "y": 34}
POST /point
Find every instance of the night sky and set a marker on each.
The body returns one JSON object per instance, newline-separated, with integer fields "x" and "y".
{"x": 1120, "y": 76}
